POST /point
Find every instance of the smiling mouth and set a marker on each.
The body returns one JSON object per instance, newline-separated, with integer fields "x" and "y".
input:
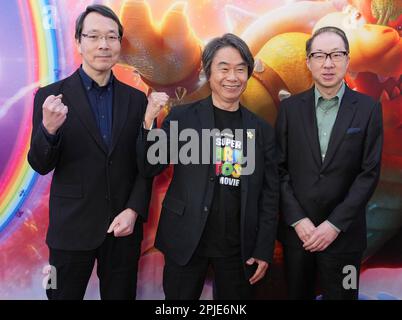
{"x": 231, "y": 87}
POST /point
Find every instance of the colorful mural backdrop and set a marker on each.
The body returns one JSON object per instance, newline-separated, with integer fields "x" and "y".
{"x": 161, "y": 51}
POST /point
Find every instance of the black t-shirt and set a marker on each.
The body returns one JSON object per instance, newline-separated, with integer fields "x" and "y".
{"x": 221, "y": 237}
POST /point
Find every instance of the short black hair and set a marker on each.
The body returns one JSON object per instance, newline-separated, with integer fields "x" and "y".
{"x": 329, "y": 29}
{"x": 102, "y": 10}
{"x": 227, "y": 40}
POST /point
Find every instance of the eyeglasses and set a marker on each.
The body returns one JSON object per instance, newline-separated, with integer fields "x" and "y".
{"x": 110, "y": 38}
{"x": 320, "y": 57}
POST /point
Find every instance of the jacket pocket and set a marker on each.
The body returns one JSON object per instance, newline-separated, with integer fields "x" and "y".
{"x": 174, "y": 205}
{"x": 353, "y": 130}
{"x": 352, "y": 134}
{"x": 67, "y": 190}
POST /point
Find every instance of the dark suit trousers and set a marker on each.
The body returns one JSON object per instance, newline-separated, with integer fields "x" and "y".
{"x": 186, "y": 282}
{"x": 117, "y": 265}
{"x": 304, "y": 268}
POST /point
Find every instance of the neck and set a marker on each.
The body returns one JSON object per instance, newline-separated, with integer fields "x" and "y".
{"x": 224, "y": 105}
{"x": 328, "y": 93}
{"x": 101, "y": 78}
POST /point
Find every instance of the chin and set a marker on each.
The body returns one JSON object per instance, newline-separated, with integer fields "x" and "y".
{"x": 234, "y": 95}
{"x": 104, "y": 67}
{"x": 233, "y": 99}
{"x": 330, "y": 84}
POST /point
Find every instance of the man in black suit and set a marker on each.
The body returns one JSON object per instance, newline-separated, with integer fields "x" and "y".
{"x": 330, "y": 142}
{"x": 215, "y": 212}
{"x": 98, "y": 200}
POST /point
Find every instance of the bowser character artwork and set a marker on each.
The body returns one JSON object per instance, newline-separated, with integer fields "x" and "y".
{"x": 168, "y": 58}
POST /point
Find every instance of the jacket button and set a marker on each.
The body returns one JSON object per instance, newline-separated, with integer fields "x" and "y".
{"x": 205, "y": 209}
{"x": 322, "y": 176}
{"x": 110, "y": 162}
{"x": 212, "y": 179}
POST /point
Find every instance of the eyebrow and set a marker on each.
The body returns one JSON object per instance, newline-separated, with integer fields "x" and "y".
{"x": 332, "y": 50}
{"x": 223, "y": 63}
{"x": 96, "y": 30}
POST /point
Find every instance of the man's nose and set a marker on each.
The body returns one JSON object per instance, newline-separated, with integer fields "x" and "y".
{"x": 103, "y": 43}
{"x": 328, "y": 63}
{"x": 231, "y": 74}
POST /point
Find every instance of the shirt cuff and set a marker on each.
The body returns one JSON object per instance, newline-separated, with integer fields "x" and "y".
{"x": 51, "y": 138}
{"x": 150, "y": 128}
{"x": 297, "y": 222}
{"x": 333, "y": 226}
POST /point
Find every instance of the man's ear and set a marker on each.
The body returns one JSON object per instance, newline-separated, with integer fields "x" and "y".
{"x": 308, "y": 63}
{"x": 78, "y": 44}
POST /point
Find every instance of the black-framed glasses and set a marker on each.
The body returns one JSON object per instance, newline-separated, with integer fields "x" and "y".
{"x": 110, "y": 38}
{"x": 335, "y": 56}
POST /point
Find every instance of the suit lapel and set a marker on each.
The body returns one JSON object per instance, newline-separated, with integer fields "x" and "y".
{"x": 248, "y": 123}
{"x": 345, "y": 116}
{"x": 309, "y": 118}
{"x": 77, "y": 100}
{"x": 206, "y": 113}
{"x": 121, "y": 100}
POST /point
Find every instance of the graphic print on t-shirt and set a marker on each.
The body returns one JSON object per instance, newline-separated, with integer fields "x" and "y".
{"x": 229, "y": 155}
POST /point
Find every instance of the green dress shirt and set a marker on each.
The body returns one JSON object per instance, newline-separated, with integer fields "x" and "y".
{"x": 326, "y": 112}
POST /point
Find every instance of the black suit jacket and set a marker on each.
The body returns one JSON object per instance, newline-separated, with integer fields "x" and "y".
{"x": 188, "y": 199}
{"x": 91, "y": 183}
{"x": 338, "y": 189}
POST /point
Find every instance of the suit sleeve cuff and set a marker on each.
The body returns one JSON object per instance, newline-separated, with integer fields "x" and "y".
{"x": 297, "y": 222}
{"x": 51, "y": 138}
{"x": 333, "y": 226}
{"x": 150, "y": 128}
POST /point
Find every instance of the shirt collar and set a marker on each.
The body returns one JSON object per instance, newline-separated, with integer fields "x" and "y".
{"x": 339, "y": 94}
{"x": 89, "y": 83}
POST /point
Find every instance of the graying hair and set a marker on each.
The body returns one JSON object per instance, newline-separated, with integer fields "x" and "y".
{"x": 227, "y": 40}
{"x": 329, "y": 29}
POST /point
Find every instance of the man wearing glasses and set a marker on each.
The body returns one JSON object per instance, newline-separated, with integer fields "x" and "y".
{"x": 85, "y": 128}
{"x": 330, "y": 141}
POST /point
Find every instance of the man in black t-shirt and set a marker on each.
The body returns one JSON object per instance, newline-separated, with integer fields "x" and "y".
{"x": 220, "y": 209}
{"x": 221, "y": 236}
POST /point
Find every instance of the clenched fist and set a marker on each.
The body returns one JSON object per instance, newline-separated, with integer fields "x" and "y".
{"x": 156, "y": 101}
{"x": 54, "y": 113}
